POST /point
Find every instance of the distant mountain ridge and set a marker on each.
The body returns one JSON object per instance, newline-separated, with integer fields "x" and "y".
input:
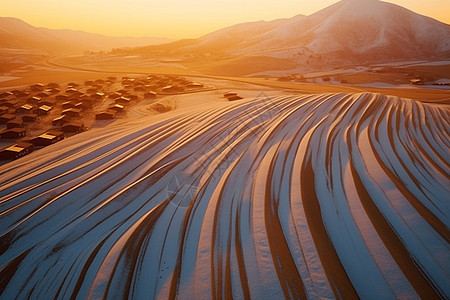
{"x": 17, "y": 34}
{"x": 347, "y": 32}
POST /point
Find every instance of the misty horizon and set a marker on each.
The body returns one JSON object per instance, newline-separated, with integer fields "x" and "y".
{"x": 180, "y": 20}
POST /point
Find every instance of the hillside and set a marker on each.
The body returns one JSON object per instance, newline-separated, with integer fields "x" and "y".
{"x": 355, "y": 31}
{"x": 346, "y": 33}
{"x": 17, "y": 34}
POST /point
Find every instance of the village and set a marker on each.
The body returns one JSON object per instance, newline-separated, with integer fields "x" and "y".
{"x": 43, "y": 114}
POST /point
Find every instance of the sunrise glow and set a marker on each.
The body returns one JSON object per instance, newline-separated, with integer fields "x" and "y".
{"x": 226, "y": 149}
{"x": 175, "y": 18}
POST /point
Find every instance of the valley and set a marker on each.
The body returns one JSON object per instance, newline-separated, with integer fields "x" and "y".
{"x": 299, "y": 158}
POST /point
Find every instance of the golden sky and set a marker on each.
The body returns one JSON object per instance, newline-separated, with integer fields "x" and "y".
{"x": 176, "y": 18}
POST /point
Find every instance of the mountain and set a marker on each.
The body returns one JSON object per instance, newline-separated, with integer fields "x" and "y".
{"x": 17, "y": 34}
{"x": 355, "y": 31}
{"x": 348, "y": 32}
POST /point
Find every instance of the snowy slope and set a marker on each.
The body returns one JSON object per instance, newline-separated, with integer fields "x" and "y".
{"x": 318, "y": 196}
{"x": 236, "y": 35}
{"x": 350, "y": 31}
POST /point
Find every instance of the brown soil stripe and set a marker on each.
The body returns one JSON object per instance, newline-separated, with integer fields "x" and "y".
{"x": 336, "y": 274}
{"x": 437, "y": 224}
{"x": 240, "y": 257}
{"x": 289, "y": 278}
{"x": 8, "y": 271}
{"x": 393, "y": 243}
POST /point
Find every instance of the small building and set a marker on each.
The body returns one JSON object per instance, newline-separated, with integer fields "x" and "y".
{"x": 14, "y": 123}
{"x": 122, "y": 101}
{"x": 98, "y": 96}
{"x": 62, "y": 98}
{"x": 117, "y": 108}
{"x": 28, "y": 118}
{"x": 106, "y": 115}
{"x": 76, "y": 95}
{"x": 92, "y": 90}
{"x": 16, "y": 151}
{"x": 43, "y": 110}
{"x": 122, "y": 92}
{"x": 139, "y": 83}
{"x": 229, "y": 94}
{"x": 72, "y": 112}
{"x": 172, "y": 89}
{"x": 46, "y": 102}
{"x": 6, "y": 94}
{"x": 84, "y": 98}
{"x": 53, "y": 85}
{"x": 72, "y": 85}
{"x": 5, "y": 118}
{"x": 24, "y": 109}
{"x": 10, "y": 103}
{"x": 53, "y": 91}
{"x": 194, "y": 85}
{"x": 73, "y": 127}
{"x": 4, "y": 109}
{"x": 33, "y": 100}
{"x": 68, "y": 104}
{"x": 416, "y": 81}
{"x": 150, "y": 95}
{"x": 47, "y": 138}
{"x": 13, "y": 133}
{"x": 140, "y": 89}
{"x": 71, "y": 90}
{"x": 37, "y": 87}
{"x": 60, "y": 121}
{"x": 80, "y": 106}
{"x": 43, "y": 95}
{"x": 20, "y": 94}
{"x": 234, "y": 98}
{"x": 127, "y": 81}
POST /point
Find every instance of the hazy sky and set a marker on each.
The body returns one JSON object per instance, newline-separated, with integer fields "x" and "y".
{"x": 176, "y": 18}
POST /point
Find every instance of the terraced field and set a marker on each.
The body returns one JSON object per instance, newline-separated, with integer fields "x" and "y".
{"x": 319, "y": 196}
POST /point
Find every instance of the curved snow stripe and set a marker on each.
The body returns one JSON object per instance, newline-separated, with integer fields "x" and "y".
{"x": 303, "y": 196}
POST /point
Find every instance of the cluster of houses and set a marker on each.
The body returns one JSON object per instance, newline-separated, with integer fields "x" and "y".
{"x": 28, "y": 108}
{"x": 148, "y": 87}
{"x": 419, "y": 81}
{"x": 25, "y": 114}
{"x": 292, "y": 77}
{"x": 20, "y": 149}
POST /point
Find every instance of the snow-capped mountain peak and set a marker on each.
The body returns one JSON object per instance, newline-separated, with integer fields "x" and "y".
{"x": 348, "y": 31}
